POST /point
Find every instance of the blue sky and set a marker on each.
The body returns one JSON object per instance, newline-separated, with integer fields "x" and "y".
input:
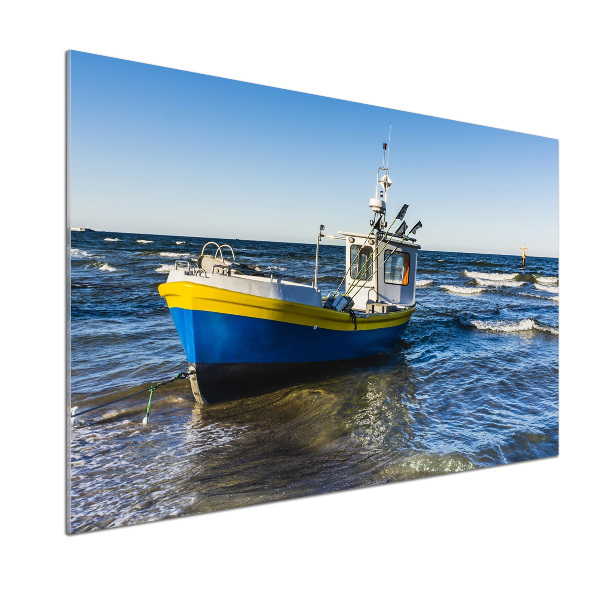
{"x": 156, "y": 150}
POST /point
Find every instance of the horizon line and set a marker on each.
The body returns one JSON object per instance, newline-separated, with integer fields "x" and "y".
{"x": 287, "y": 242}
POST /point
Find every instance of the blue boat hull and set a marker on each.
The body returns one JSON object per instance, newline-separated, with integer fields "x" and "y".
{"x": 232, "y": 357}
{"x": 234, "y": 339}
{"x": 216, "y": 338}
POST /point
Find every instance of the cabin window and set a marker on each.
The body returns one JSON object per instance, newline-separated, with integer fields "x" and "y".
{"x": 396, "y": 267}
{"x": 358, "y": 263}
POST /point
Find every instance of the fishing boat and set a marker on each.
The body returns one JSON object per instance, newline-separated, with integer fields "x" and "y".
{"x": 240, "y": 324}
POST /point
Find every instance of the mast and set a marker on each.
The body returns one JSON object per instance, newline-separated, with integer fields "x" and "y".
{"x": 379, "y": 205}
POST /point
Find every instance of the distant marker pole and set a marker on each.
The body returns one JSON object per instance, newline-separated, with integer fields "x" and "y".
{"x": 523, "y": 254}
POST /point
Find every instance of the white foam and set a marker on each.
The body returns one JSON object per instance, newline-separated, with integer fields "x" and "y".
{"x": 546, "y": 288}
{"x": 499, "y": 282}
{"x": 180, "y": 242}
{"x": 76, "y": 253}
{"x": 423, "y": 282}
{"x": 174, "y": 254}
{"x": 491, "y": 276}
{"x": 461, "y": 290}
{"x": 145, "y": 242}
{"x": 553, "y": 298}
{"x": 106, "y": 267}
{"x": 511, "y": 326}
{"x": 165, "y": 268}
{"x": 112, "y": 240}
{"x": 547, "y": 280}
{"x": 428, "y": 463}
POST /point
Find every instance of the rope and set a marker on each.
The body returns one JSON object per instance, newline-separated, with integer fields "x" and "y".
{"x": 183, "y": 375}
{"x": 353, "y": 317}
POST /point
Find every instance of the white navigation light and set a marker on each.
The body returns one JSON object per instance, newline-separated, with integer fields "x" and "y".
{"x": 385, "y": 182}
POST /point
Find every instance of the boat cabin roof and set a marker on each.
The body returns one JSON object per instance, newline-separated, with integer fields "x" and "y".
{"x": 403, "y": 241}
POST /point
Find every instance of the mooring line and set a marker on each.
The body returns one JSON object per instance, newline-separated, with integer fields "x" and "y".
{"x": 182, "y": 375}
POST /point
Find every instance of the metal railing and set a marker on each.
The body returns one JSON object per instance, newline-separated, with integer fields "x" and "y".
{"x": 219, "y": 250}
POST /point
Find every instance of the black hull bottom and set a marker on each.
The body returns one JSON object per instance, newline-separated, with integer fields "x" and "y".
{"x": 218, "y": 383}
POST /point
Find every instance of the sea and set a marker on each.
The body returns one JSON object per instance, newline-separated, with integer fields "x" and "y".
{"x": 472, "y": 384}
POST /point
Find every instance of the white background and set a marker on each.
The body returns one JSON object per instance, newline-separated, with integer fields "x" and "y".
{"x": 526, "y": 530}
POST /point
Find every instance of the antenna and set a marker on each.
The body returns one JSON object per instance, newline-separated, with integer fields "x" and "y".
{"x": 389, "y": 141}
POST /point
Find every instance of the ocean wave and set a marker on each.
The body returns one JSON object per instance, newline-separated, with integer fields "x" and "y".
{"x": 485, "y": 263}
{"x": 173, "y": 254}
{"x": 423, "y": 465}
{"x": 547, "y": 280}
{"x": 423, "y": 282}
{"x": 180, "y": 243}
{"x": 455, "y": 289}
{"x": 76, "y": 253}
{"x": 106, "y": 267}
{"x": 509, "y": 326}
{"x": 553, "y": 298}
{"x": 499, "y": 282}
{"x": 527, "y": 277}
{"x": 274, "y": 268}
{"x": 164, "y": 268}
{"x": 432, "y": 465}
{"x": 546, "y": 288}
{"x": 112, "y": 240}
{"x": 145, "y": 241}
{"x": 492, "y": 276}
{"x": 430, "y": 271}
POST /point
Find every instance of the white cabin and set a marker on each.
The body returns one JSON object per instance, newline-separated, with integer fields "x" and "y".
{"x": 390, "y": 275}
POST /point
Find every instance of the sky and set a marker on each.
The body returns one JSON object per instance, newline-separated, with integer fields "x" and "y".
{"x": 157, "y": 150}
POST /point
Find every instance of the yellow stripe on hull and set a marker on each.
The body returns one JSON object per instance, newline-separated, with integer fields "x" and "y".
{"x": 196, "y": 296}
